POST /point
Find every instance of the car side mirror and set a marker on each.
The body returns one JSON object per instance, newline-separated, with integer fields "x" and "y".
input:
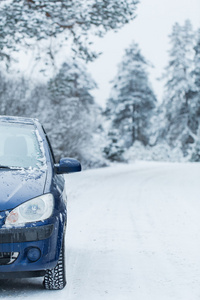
{"x": 68, "y": 165}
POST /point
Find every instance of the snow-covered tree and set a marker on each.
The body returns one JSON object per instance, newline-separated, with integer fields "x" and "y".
{"x": 14, "y": 95}
{"x": 22, "y": 22}
{"x": 132, "y": 100}
{"x": 66, "y": 108}
{"x": 196, "y": 77}
{"x": 196, "y": 72}
{"x": 180, "y": 128}
{"x": 114, "y": 148}
{"x": 71, "y": 114}
{"x": 195, "y": 103}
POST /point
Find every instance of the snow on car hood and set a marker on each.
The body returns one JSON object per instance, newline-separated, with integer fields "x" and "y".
{"x": 18, "y": 186}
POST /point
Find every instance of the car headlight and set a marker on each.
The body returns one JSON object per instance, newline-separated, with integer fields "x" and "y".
{"x": 37, "y": 209}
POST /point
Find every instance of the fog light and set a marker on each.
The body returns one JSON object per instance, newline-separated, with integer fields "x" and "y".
{"x": 33, "y": 254}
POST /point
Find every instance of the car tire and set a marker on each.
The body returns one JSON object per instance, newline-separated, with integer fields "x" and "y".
{"x": 55, "y": 279}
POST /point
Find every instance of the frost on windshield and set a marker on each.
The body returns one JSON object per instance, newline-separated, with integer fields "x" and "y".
{"x": 21, "y": 146}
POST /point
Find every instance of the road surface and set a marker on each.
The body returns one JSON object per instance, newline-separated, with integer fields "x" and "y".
{"x": 133, "y": 234}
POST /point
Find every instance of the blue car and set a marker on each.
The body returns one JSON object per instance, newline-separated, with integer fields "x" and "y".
{"x": 33, "y": 212}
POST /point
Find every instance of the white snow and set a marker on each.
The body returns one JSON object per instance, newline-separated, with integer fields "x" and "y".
{"x": 133, "y": 233}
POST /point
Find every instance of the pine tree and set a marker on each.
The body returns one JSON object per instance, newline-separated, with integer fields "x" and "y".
{"x": 114, "y": 149}
{"x": 196, "y": 77}
{"x": 132, "y": 100}
{"x": 196, "y": 72}
{"x": 195, "y": 103}
{"x": 71, "y": 110}
{"x": 180, "y": 128}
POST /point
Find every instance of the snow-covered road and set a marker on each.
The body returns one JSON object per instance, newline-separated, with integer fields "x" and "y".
{"x": 133, "y": 234}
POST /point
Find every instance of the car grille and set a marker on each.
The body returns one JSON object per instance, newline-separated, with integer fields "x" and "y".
{"x": 26, "y": 234}
{"x": 7, "y": 258}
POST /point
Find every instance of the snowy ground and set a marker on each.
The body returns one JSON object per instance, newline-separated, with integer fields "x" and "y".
{"x": 133, "y": 234}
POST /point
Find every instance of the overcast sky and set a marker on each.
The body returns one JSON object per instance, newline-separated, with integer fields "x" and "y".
{"x": 150, "y": 30}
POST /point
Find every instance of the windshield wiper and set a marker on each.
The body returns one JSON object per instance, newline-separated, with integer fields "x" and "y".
{"x": 9, "y": 168}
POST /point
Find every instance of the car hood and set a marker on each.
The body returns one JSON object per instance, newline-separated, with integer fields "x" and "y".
{"x": 18, "y": 186}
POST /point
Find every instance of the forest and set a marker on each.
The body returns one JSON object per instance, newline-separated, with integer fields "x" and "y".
{"x": 134, "y": 125}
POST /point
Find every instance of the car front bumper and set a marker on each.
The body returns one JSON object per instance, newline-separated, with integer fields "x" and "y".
{"x": 16, "y": 243}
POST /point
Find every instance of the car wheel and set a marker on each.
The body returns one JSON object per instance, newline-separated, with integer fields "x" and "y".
{"x": 55, "y": 279}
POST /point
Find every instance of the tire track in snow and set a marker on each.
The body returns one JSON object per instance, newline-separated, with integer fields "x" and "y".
{"x": 159, "y": 260}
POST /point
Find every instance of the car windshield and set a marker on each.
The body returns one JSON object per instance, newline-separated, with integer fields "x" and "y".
{"x": 20, "y": 146}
